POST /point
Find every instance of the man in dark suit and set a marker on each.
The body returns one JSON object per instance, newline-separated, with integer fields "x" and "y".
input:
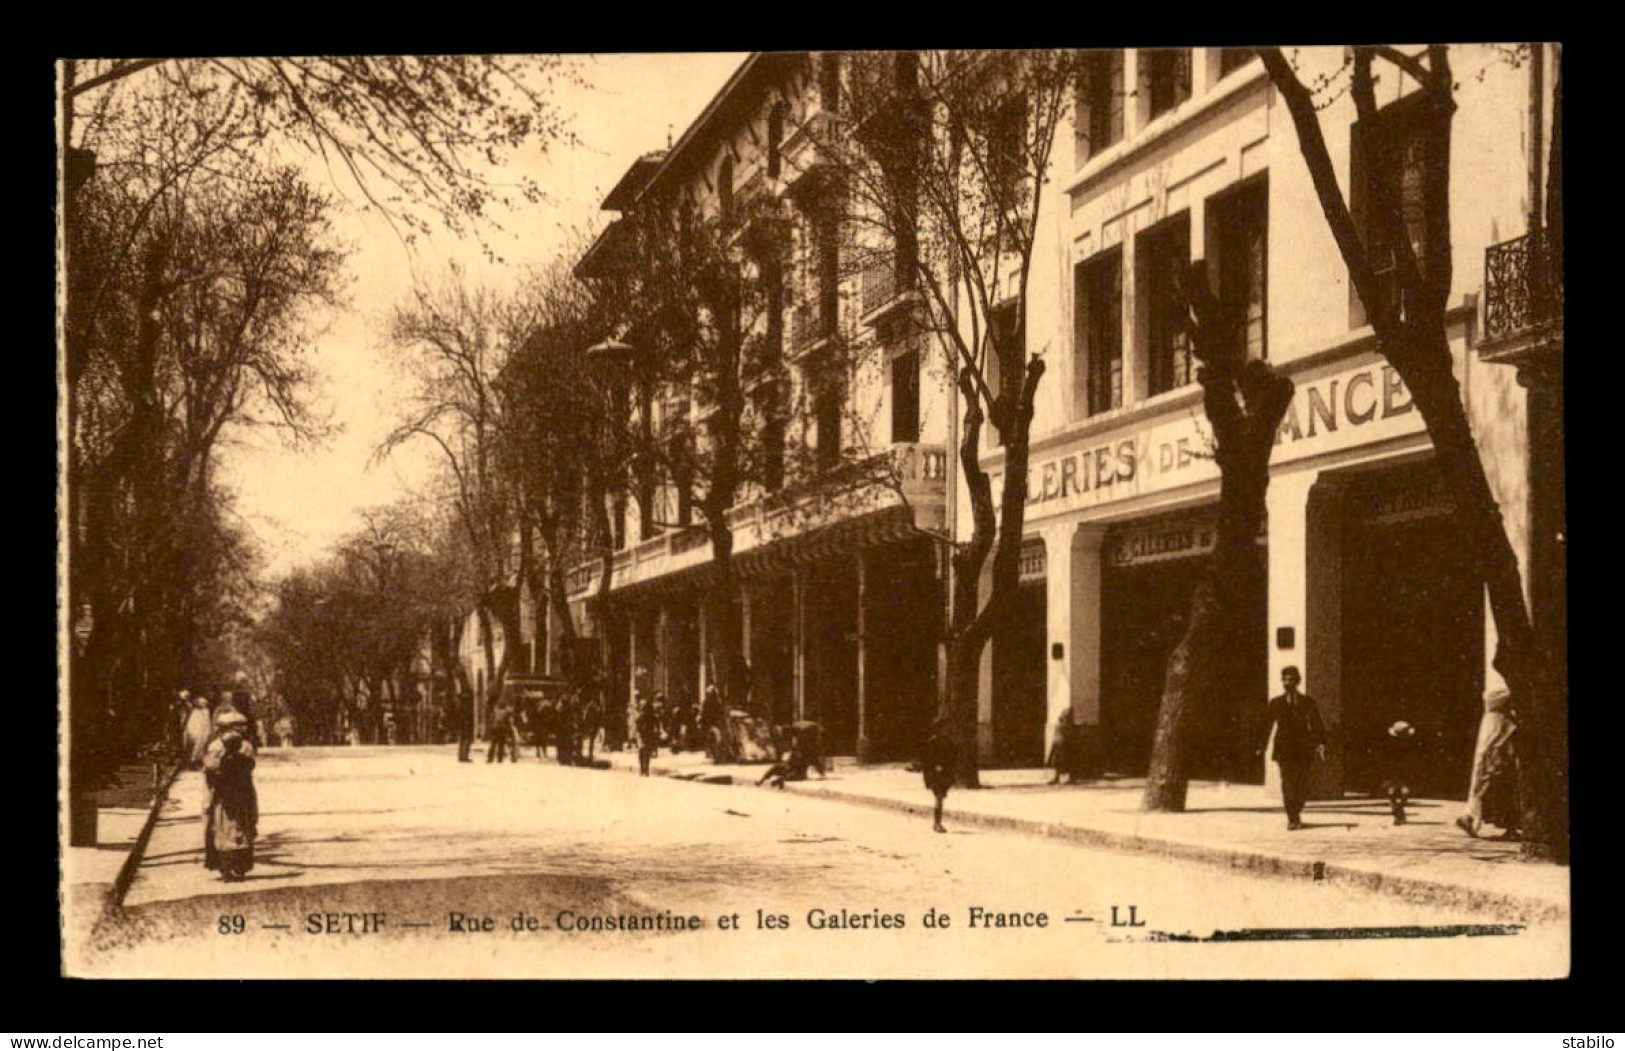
{"x": 1299, "y": 739}
{"x": 462, "y": 717}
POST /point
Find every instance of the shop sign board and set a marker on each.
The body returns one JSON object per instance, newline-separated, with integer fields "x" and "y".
{"x": 1336, "y": 410}
{"x": 1164, "y": 543}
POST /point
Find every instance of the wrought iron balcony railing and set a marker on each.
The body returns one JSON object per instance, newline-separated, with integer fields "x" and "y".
{"x": 810, "y": 322}
{"x": 1523, "y": 286}
{"x": 879, "y": 282}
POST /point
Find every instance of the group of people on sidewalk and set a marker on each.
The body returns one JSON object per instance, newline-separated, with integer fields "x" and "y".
{"x": 1300, "y": 739}
{"x": 1291, "y": 729}
{"x": 221, "y": 740}
{"x": 220, "y": 744}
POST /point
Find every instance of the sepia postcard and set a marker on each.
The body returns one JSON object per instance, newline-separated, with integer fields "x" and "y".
{"x": 914, "y": 514}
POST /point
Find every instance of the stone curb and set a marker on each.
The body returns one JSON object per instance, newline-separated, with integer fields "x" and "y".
{"x": 1250, "y": 862}
{"x": 132, "y": 861}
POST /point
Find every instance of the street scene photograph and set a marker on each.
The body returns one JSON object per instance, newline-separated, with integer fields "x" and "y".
{"x": 1049, "y": 513}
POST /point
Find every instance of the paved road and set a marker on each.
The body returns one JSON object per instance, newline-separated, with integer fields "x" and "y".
{"x": 367, "y": 856}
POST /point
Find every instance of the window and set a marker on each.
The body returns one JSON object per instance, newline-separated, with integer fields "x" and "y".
{"x": 646, "y": 511}
{"x": 1167, "y": 77}
{"x": 905, "y": 397}
{"x": 829, "y": 81}
{"x": 1007, "y": 332}
{"x": 725, "y": 188}
{"x": 775, "y": 139}
{"x": 1006, "y": 138}
{"x": 1100, "y": 103}
{"x": 685, "y": 500}
{"x": 907, "y": 83}
{"x": 618, "y": 520}
{"x": 1099, "y": 333}
{"x": 1165, "y": 253}
{"x": 1386, "y": 158}
{"x": 1233, "y": 58}
{"x": 827, "y": 415}
{"x": 1240, "y": 224}
{"x": 773, "y": 450}
{"x": 826, "y": 271}
{"x": 773, "y": 290}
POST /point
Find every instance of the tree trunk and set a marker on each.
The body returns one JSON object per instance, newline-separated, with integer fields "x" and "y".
{"x": 558, "y": 596}
{"x": 724, "y": 631}
{"x": 1541, "y": 708}
{"x": 1244, "y": 403}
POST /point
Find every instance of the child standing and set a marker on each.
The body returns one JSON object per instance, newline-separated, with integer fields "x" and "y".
{"x": 939, "y": 762}
{"x": 1399, "y": 759}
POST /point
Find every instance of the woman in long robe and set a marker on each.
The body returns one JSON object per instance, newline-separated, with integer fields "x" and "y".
{"x": 1492, "y": 794}
{"x": 231, "y": 814}
{"x": 195, "y": 735}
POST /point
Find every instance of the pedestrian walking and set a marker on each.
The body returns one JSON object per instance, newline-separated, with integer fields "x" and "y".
{"x": 462, "y": 717}
{"x": 1492, "y": 794}
{"x": 1399, "y": 748}
{"x": 195, "y": 736}
{"x": 1300, "y": 738}
{"x": 181, "y": 710}
{"x": 231, "y": 806}
{"x": 501, "y": 733}
{"x": 243, "y": 701}
{"x": 939, "y": 762}
{"x": 714, "y": 721}
{"x": 1064, "y": 751}
{"x": 646, "y": 728}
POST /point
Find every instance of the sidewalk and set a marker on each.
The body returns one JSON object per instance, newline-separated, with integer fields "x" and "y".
{"x": 1352, "y": 841}
{"x": 94, "y": 878}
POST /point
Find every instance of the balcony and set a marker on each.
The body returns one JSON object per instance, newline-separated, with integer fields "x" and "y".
{"x": 1523, "y": 299}
{"x": 879, "y": 282}
{"x": 760, "y": 225}
{"x": 890, "y": 495}
{"x": 811, "y": 323}
{"x": 883, "y": 290}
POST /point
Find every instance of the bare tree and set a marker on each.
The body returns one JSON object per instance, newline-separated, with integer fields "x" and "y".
{"x": 1245, "y": 401}
{"x": 1407, "y": 310}
{"x": 185, "y": 317}
{"x": 700, "y": 331}
{"x": 140, "y": 140}
{"x": 946, "y": 156}
{"x": 557, "y": 454}
{"x": 454, "y": 339}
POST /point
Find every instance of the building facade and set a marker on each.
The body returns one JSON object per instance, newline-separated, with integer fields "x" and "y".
{"x": 837, "y": 537}
{"x": 1171, "y": 155}
{"x": 1189, "y": 154}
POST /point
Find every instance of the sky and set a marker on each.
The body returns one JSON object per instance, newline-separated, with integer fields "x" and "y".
{"x": 299, "y": 503}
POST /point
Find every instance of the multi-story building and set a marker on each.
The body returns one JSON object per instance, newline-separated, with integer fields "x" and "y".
{"x": 1189, "y": 154}
{"x": 1172, "y": 155}
{"x": 838, "y": 531}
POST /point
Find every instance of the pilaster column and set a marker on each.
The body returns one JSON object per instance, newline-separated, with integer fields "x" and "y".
{"x": 1058, "y": 652}
{"x": 1306, "y": 607}
{"x": 862, "y": 661}
{"x": 984, "y": 680}
{"x": 798, "y": 631}
{"x": 663, "y": 648}
{"x": 1083, "y": 657}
